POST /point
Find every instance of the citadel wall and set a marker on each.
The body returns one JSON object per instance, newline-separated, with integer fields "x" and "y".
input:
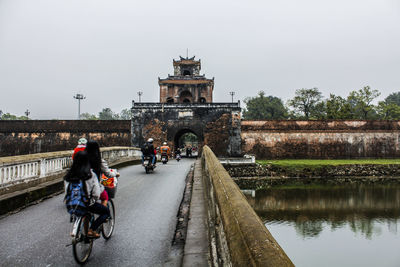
{"x": 37, "y": 136}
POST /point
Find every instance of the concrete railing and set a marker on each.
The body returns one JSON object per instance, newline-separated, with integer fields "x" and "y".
{"x": 246, "y": 159}
{"x": 240, "y": 236}
{"x": 20, "y": 169}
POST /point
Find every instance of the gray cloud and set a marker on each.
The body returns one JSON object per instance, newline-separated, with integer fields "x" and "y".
{"x": 108, "y": 50}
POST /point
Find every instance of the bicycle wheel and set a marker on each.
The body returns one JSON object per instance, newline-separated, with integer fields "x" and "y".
{"x": 81, "y": 244}
{"x": 108, "y": 225}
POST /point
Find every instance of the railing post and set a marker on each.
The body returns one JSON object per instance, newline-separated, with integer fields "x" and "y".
{"x": 42, "y": 164}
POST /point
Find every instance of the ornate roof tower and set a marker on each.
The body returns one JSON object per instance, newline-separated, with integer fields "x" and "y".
{"x": 186, "y": 85}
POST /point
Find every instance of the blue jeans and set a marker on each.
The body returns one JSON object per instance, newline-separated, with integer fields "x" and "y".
{"x": 103, "y": 211}
{"x": 153, "y": 158}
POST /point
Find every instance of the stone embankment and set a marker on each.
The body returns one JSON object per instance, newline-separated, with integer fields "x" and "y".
{"x": 253, "y": 176}
{"x": 353, "y": 170}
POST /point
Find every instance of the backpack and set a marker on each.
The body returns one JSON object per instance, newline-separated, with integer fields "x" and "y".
{"x": 76, "y": 199}
{"x": 146, "y": 149}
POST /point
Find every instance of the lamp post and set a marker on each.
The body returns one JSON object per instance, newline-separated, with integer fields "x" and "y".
{"x": 79, "y": 97}
{"x": 27, "y": 112}
{"x": 232, "y": 94}
{"x": 140, "y": 93}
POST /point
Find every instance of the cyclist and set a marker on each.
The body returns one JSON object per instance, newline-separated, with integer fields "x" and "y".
{"x": 99, "y": 166}
{"x": 81, "y": 171}
{"x": 80, "y": 147}
{"x": 149, "y": 151}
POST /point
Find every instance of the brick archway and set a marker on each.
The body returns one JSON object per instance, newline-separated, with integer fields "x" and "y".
{"x": 215, "y": 124}
{"x": 181, "y": 132}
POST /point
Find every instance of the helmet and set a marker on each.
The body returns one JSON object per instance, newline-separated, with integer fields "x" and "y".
{"x": 165, "y": 143}
{"x": 82, "y": 141}
{"x": 150, "y": 140}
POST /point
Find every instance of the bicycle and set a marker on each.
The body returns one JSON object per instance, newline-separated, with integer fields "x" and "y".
{"x": 81, "y": 244}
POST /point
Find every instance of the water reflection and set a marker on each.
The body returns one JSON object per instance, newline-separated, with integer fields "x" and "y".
{"x": 311, "y": 209}
{"x": 352, "y": 225}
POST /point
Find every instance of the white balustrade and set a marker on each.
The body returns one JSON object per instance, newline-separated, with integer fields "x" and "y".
{"x": 11, "y": 173}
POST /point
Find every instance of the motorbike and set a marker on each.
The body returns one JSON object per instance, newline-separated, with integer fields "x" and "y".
{"x": 164, "y": 158}
{"x": 178, "y": 157}
{"x": 148, "y": 167}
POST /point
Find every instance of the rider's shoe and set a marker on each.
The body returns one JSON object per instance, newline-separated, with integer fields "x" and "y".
{"x": 93, "y": 234}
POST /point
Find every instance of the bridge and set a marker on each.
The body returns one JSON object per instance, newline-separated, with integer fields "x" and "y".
{"x": 189, "y": 213}
{"x": 215, "y": 225}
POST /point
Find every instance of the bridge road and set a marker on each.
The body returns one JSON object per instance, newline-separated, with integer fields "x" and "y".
{"x": 146, "y": 209}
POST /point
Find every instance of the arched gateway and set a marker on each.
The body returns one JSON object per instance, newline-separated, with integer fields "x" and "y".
{"x": 215, "y": 124}
{"x": 186, "y": 105}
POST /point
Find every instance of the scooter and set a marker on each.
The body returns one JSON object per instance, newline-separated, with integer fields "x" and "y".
{"x": 164, "y": 158}
{"x": 148, "y": 167}
{"x": 178, "y": 157}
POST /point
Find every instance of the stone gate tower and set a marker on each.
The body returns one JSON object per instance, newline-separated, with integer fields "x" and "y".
{"x": 186, "y": 85}
{"x": 186, "y": 106}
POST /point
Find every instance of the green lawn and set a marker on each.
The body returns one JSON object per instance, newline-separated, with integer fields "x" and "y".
{"x": 324, "y": 162}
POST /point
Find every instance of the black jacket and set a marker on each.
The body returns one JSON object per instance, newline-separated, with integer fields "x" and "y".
{"x": 148, "y": 149}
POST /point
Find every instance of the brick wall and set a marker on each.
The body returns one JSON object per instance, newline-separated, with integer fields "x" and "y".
{"x": 36, "y": 136}
{"x": 265, "y": 139}
{"x": 321, "y": 139}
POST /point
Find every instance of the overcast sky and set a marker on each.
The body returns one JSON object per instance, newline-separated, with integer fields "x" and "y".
{"x": 109, "y": 50}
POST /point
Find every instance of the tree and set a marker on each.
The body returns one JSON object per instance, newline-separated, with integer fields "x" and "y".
{"x": 388, "y": 111}
{"x": 361, "y": 103}
{"x": 337, "y": 107}
{"x": 393, "y": 98}
{"x": 88, "y": 116}
{"x": 8, "y": 116}
{"x": 264, "y": 107}
{"x": 125, "y": 114}
{"x": 107, "y": 114}
{"x": 306, "y": 101}
{"x": 23, "y": 118}
{"x": 319, "y": 111}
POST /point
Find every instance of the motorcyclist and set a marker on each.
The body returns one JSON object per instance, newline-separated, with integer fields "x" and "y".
{"x": 165, "y": 150}
{"x": 178, "y": 151}
{"x": 149, "y": 151}
{"x": 188, "y": 151}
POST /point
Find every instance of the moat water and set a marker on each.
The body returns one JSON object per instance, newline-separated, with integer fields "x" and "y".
{"x": 352, "y": 225}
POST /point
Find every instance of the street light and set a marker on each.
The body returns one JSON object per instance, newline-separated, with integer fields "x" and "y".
{"x": 79, "y": 97}
{"x": 232, "y": 94}
{"x": 140, "y": 93}
{"x": 27, "y": 112}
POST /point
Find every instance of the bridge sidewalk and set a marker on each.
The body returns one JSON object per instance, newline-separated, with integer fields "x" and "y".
{"x": 196, "y": 251}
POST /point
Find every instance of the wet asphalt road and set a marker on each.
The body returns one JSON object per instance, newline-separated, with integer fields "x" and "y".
{"x": 146, "y": 209}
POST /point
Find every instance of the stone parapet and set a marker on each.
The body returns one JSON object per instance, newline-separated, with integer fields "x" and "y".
{"x": 139, "y": 105}
{"x": 29, "y": 178}
{"x": 248, "y": 241}
{"x": 19, "y": 172}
